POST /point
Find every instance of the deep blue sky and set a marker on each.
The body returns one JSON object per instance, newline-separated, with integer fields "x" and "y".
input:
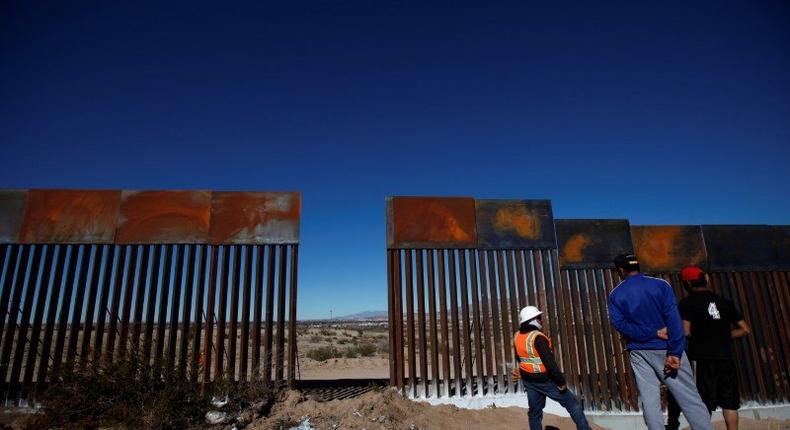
{"x": 685, "y": 106}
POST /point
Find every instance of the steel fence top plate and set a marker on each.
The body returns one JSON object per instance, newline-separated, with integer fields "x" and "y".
{"x": 585, "y": 244}
{"x": 164, "y": 217}
{"x": 668, "y": 248}
{"x": 740, "y": 247}
{"x": 254, "y": 217}
{"x": 12, "y": 211}
{"x": 781, "y": 235}
{"x": 514, "y": 224}
{"x": 70, "y": 216}
{"x": 431, "y": 222}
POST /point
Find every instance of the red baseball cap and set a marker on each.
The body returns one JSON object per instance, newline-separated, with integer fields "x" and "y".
{"x": 691, "y": 273}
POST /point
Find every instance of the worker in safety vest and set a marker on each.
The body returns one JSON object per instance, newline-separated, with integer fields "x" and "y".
{"x": 540, "y": 375}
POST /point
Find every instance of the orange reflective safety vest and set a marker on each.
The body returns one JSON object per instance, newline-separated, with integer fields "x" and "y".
{"x": 528, "y": 357}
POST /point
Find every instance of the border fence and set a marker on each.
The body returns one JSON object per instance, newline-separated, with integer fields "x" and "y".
{"x": 201, "y": 281}
{"x": 459, "y": 270}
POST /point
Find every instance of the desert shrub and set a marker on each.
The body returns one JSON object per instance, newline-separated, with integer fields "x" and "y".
{"x": 315, "y": 338}
{"x": 241, "y": 395}
{"x": 383, "y": 346}
{"x": 366, "y": 349}
{"x": 351, "y": 352}
{"x": 325, "y": 332}
{"x": 126, "y": 393}
{"x": 343, "y": 341}
{"x": 324, "y": 353}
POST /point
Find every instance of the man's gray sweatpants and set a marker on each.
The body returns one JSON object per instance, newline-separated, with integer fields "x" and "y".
{"x": 648, "y": 366}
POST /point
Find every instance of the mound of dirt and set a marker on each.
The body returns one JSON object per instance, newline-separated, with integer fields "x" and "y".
{"x": 750, "y": 424}
{"x": 389, "y": 410}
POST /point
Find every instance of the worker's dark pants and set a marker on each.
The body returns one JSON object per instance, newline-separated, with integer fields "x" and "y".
{"x": 536, "y": 395}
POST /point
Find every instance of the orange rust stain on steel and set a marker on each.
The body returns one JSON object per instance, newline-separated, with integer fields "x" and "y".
{"x": 654, "y": 246}
{"x": 434, "y": 220}
{"x": 70, "y": 216}
{"x": 524, "y": 221}
{"x": 573, "y": 251}
{"x": 164, "y": 217}
{"x": 246, "y": 216}
{"x": 663, "y": 247}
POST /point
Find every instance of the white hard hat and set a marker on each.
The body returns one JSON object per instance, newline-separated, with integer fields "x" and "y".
{"x": 528, "y": 313}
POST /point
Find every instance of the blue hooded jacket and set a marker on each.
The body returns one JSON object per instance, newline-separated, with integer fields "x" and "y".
{"x": 640, "y": 306}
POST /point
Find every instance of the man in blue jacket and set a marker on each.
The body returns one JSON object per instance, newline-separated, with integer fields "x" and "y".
{"x": 643, "y": 310}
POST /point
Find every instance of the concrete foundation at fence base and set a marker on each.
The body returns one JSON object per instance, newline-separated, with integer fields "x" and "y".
{"x": 607, "y": 419}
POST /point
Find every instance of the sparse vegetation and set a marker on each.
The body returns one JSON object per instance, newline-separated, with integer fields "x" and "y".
{"x": 324, "y": 353}
{"x": 366, "y": 349}
{"x": 125, "y": 393}
{"x": 131, "y": 394}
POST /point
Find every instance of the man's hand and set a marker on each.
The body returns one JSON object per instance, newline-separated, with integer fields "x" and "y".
{"x": 671, "y": 365}
{"x": 515, "y": 375}
{"x": 562, "y": 388}
{"x": 662, "y": 333}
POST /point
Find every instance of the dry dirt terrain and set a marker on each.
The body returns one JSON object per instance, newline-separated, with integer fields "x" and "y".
{"x": 359, "y": 350}
{"x": 343, "y": 351}
{"x": 389, "y": 410}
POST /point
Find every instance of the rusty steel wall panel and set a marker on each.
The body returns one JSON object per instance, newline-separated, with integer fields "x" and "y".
{"x": 149, "y": 217}
{"x": 590, "y": 244}
{"x": 434, "y": 342}
{"x": 70, "y": 216}
{"x": 469, "y": 360}
{"x": 421, "y": 327}
{"x": 292, "y": 346}
{"x": 164, "y": 217}
{"x": 255, "y": 217}
{"x": 740, "y": 247}
{"x": 515, "y": 224}
{"x": 95, "y": 275}
{"x": 668, "y": 248}
{"x": 12, "y": 211}
{"x": 79, "y": 285}
{"x": 431, "y": 222}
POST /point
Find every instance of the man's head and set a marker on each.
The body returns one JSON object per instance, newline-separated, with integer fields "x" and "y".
{"x": 529, "y": 314}
{"x": 693, "y": 278}
{"x": 626, "y": 264}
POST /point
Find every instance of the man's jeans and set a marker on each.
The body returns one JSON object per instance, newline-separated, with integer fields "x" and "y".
{"x": 537, "y": 393}
{"x": 648, "y": 367}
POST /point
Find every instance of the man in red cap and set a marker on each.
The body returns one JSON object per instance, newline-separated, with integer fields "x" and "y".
{"x": 711, "y": 322}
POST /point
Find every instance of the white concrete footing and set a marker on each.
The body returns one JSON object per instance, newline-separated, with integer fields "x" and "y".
{"x": 610, "y": 420}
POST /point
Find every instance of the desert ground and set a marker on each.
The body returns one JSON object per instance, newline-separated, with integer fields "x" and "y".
{"x": 343, "y": 350}
{"x": 359, "y": 350}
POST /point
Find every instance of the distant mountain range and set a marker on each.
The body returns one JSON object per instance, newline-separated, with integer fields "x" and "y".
{"x": 366, "y": 315}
